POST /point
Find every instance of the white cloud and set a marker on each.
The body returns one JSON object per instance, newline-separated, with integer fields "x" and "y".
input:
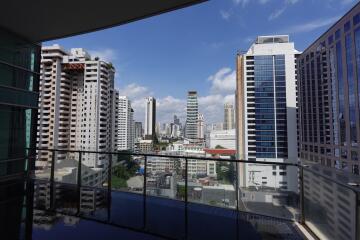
{"x": 278, "y": 12}
{"x": 106, "y": 54}
{"x": 291, "y": 1}
{"x": 312, "y": 25}
{"x": 243, "y": 3}
{"x": 223, "y": 80}
{"x": 166, "y": 107}
{"x": 264, "y": 1}
{"x": 134, "y": 91}
{"x": 225, "y": 14}
{"x": 212, "y": 106}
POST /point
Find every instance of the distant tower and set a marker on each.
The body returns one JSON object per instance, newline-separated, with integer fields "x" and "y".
{"x": 138, "y": 130}
{"x": 200, "y": 126}
{"x": 192, "y": 116}
{"x": 150, "y": 118}
{"x": 229, "y": 122}
{"x": 176, "y": 120}
{"x": 125, "y": 124}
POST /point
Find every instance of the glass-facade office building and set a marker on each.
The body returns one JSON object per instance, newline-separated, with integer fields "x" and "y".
{"x": 329, "y": 72}
{"x": 266, "y": 110}
{"x": 19, "y": 79}
{"x": 329, "y": 82}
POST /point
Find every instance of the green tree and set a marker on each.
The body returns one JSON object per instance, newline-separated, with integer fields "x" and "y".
{"x": 219, "y": 147}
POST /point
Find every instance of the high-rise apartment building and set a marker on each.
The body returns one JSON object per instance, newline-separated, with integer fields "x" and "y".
{"x": 266, "y": 112}
{"x": 76, "y": 105}
{"x": 191, "y": 131}
{"x": 200, "y": 127}
{"x": 229, "y": 116}
{"x": 150, "y": 118}
{"x": 126, "y": 124}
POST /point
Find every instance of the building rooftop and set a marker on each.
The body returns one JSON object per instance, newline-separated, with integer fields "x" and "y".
{"x": 220, "y": 151}
{"x": 272, "y": 39}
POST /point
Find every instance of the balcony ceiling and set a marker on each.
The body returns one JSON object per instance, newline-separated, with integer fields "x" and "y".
{"x": 42, "y": 20}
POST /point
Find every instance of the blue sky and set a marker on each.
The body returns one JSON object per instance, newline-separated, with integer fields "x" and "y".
{"x": 195, "y": 48}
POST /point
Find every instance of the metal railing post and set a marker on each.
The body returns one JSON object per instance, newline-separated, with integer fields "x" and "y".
{"x": 144, "y": 192}
{"x": 302, "y": 209}
{"x": 357, "y": 215}
{"x": 237, "y": 199}
{"x": 52, "y": 176}
{"x": 79, "y": 182}
{"x": 186, "y": 198}
{"x": 109, "y": 186}
{"x": 79, "y": 171}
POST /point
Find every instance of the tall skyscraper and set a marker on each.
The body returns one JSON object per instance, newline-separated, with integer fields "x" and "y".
{"x": 150, "y": 118}
{"x": 125, "y": 124}
{"x": 329, "y": 90}
{"x": 329, "y": 111}
{"x": 76, "y": 105}
{"x": 200, "y": 127}
{"x": 138, "y": 130}
{"x": 192, "y": 116}
{"x": 229, "y": 116}
{"x": 266, "y": 112}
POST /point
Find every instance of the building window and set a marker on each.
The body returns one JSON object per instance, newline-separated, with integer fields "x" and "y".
{"x": 347, "y": 26}
{"x": 337, "y": 34}
{"x": 356, "y": 19}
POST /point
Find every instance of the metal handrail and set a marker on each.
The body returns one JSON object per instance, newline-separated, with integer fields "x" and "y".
{"x": 170, "y": 156}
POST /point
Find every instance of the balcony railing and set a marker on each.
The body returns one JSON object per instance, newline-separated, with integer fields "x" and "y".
{"x": 322, "y": 200}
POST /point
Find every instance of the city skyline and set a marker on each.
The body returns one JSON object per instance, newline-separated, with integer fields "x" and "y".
{"x": 281, "y": 162}
{"x": 205, "y": 56}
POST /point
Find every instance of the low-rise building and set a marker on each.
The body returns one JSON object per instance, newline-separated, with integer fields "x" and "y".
{"x": 223, "y": 138}
{"x": 146, "y": 146}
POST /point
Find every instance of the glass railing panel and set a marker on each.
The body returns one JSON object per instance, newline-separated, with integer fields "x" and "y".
{"x": 43, "y": 164}
{"x": 127, "y": 173}
{"x": 94, "y": 203}
{"x": 165, "y": 177}
{"x": 212, "y": 182}
{"x": 94, "y": 169}
{"x": 330, "y": 204}
{"x": 269, "y": 190}
{"x": 65, "y": 198}
{"x": 66, "y": 167}
{"x": 212, "y": 199}
{"x": 127, "y": 181}
{"x": 165, "y": 189}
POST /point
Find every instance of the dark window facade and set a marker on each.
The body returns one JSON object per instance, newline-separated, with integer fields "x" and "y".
{"x": 19, "y": 84}
{"x": 329, "y": 99}
{"x": 269, "y": 107}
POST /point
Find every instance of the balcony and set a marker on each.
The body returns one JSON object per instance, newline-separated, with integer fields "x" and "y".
{"x": 150, "y": 196}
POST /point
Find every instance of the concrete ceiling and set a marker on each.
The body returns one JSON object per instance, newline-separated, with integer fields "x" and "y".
{"x": 42, "y": 20}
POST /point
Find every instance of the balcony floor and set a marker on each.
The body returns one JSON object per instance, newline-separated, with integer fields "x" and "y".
{"x": 125, "y": 216}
